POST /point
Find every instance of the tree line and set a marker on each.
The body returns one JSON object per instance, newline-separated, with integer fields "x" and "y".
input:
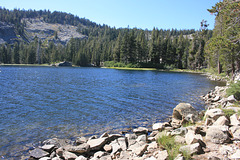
{"x": 223, "y": 49}
{"x": 192, "y": 49}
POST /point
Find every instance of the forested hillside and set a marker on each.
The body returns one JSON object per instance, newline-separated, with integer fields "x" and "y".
{"x": 109, "y": 46}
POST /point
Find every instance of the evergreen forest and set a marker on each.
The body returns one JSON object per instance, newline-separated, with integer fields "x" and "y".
{"x": 218, "y": 49}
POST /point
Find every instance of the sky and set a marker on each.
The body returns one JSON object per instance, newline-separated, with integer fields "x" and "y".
{"x": 142, "y": 14}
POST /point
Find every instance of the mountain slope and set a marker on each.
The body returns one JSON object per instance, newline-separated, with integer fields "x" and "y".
{"x": 47, "y": 31}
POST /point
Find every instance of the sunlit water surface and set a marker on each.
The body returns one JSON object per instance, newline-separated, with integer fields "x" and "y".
{"x": 37, "y": 103}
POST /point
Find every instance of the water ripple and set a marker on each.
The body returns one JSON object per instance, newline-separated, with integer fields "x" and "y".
{"x": 43, "y": 102}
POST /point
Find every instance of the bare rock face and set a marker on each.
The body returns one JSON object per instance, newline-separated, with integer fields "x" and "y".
{"x": 45, "y": 31}
{"x": 7, "y": 33}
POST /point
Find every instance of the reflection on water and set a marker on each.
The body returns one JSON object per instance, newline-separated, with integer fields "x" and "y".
{"x": 43, "y": 102}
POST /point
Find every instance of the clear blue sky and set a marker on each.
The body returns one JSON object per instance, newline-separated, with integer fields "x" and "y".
{"x": 165, "y": 14}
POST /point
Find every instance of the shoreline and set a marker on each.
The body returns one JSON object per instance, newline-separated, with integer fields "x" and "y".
{"x": 149, "y": 132}
{"x": 189, "y": 128}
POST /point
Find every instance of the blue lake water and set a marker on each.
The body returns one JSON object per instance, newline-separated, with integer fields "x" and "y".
{"x": 37, "y": 103}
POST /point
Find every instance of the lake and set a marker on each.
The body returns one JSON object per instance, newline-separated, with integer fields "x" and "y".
{"x": 37, "y": 103}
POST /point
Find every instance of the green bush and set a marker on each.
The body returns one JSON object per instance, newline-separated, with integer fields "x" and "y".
{"x": 234, "y": 89}
{"x": 228, "y": 112}
{"x": 168, "y": 142}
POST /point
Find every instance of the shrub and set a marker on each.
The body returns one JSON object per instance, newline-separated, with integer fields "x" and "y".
{"x": 234, "y": 89}
{"x": 228, "y": 112}
{"x": 168, "y": 142}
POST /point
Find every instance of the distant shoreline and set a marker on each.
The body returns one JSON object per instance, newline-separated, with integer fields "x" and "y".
{"x": 118, "y": 68}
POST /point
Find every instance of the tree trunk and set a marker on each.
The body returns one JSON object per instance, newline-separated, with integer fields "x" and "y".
{"x": 219, "y": 67}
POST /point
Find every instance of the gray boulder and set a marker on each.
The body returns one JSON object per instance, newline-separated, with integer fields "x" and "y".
{"x": 81, "y": 140}
{"x": 214, "y": 113}
{"x": 217, "y": 135}
{"x": 138, "y": 149}
{"x": 97, "y": 144}
{"x": 80, "y": 149}
{"x": 179, "y": 131}
{"x": 123, "y": 143}
{"x": 107, "y": 148}
{"x": 45, "y": 158}
{"x": 192, "y": 138}
{"x": 235, "y": 130}
{"x": 140, "y": 130}
{"x": 158, "y": 126}
{"x": 231, "y": 99}
{"x": 183, "y": 113}
{"x": 234, "y": 120}
{"x": 131, "y": 138}
{"x": 48, "y": 147}
{"x": 221, "y": 121}
{"x": 38, "y": 153}
{"x": 142, "y": 138}
{"x": 81, "y": 158}
{"x": 192, "y": 149}
{"x": 69, "y": 156}
{"x": 100, "y": 154}
{"x": 115, "y": 147}
{"x": 236, "y": 155}
{"x": 162, "y": 155}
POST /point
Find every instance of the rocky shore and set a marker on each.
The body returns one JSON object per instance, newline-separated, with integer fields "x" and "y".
{"x": 212, "y": 134}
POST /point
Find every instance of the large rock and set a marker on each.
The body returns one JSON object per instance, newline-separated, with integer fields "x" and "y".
{"x": 38, "y": 153}
{"x": 231, "y": 99}
{"x": 179, "y": 131}
{"x": 81, "y": 149}
{"x": 100, "y": 154}
{"x": 192, "y": 149}
{"x": 234, "y": 120}
{"x": 97, "y": 144}
{"x": 48, "y": 148}
{"x": 131, "y": 138}
{"x": 236, "y": 155}
{"x": 235, "y": 130}
{"x": 152, "y": 146}
{"x": 221, "y": 121}
{"x": 214, "y": 113}
{"x": 45, "y": 158}
{"x": 142, "y": 138}
{"x": 123, "y": 143}
{"x": 115, "y": 147}
{"x": 161, "y": 155}
{"x": 217, "y": 135}
{"x": 192, "y": 138}
{"x": 140, "y": 130}
{"x": 81, "y": 140}
{"x": 184, "y": 111}
{"x": 57, "y": 142}
{"x": 139, "y": 149}
{"x": 112, "y": 137}
{"x": 81, "y": 158}
{"x": 179, "y": 139}
{"x": 158, "y": 126}
{"x": 69, "y": 156}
